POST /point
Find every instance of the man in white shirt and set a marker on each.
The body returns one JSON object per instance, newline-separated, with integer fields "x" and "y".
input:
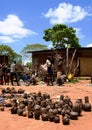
{"x": 13, "y": 73}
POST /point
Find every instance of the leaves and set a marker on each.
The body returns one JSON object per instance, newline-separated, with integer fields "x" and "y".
{"x": 60, "y": 35}
{"x": 6, "y": 50}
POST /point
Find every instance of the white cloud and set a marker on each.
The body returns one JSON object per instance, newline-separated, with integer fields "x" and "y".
{"x": 6, "y": 39}
{"x": 66, "y": 13}
{"x": 12, "y": 28}
{"x": 89, "y": 45}
{"x": 78, "y": 33}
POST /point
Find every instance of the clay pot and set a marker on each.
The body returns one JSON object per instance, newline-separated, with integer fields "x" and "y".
{"x": 20, "y": 91}
{"x": 38, "y": 101}
{"x": 3, "y": 90}
{"x": 14, "y": 103}
{"x": 43, "y": 110}
{"x": 37, "y": 112}
{"x": 73, "y": 115}
{"x": 65, "y": 120}
{"x": 63, "y": 112}
{"x": 44, "y": 117}
{"x": 13, "y": 90}
{"x": 57, "y": 119}
{"x": 30, "y": 106}
{"x": 1, "y": 108}
{"x": 37, "y": 115}
{"x": 39, "y": 94}
{"x": 87, "y": 106}
{"x": 14, "y": 110}
{"x": 77, "y": 107}
{"x": 43, "y": 103}
{"x": 8, "y": 90}
{"x": 60, "y": 103}
{"x": 21, "y": 106}
{"x": 30, "y": 114}
{"x": 25, "y": 96}
{"x": 37, "y": 108}
{"x": 66, "y": 100}
{"x": 25, "y": 101}
{"x": 59, "y": 110}
{"x": 61, "y": 97}
{"x": 51, "y": 117}
{"x": 55, "y": 111}
{"x": 20, "y": 112}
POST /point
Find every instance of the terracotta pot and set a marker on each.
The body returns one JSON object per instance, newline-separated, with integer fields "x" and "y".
{"x": 44, "y": 117}
{"x": 73, "y": 115}
{"x": 87, "y": 106}
{"x": 14, "y": 110}
{"x": 66, "y": 120}
{"x": 30, "y": 114}
{"x": 57, "y": 119}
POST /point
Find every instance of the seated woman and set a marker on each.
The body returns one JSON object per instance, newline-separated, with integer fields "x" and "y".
{"x": 34, "y": 78}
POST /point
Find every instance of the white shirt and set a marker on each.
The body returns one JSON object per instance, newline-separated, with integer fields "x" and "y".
{"x": 13, "y": 67}
{"x": 48, "y": 63}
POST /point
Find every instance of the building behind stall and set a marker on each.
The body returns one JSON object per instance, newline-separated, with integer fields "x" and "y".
{"x": 82, "y": 57}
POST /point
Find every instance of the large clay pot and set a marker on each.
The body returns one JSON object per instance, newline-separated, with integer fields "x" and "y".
{"x": 77, "y": 107}
{"x": 65, "y": 120}
{"x": 14, "y": 110}
{"x": 57, "y": 119}
{"x": 20, "y": 112}
{"x": 3, "y": 90}
{"x": 87, "y": 106}
{"x": 37, "y": 115}
{"x": 20, "y": 91}
{"x": 51, "y": 117}
{"x": 21, "y": 106}
{"x": 37, "y": 112}
{"x": 1, "y": 108}
{"x": 43, "y": 103}
{"x": 44, "y": 117}
{"x": 30, "y": 114}
{"x": 73, "y": 115}
{"x": 43, "y": 110}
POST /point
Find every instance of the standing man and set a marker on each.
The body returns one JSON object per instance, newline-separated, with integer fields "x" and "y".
{"x": 13, "y": 73}
{"x": 49, "y": 70}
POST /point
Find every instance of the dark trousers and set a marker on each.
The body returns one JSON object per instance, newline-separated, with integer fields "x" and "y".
{"x": 14, "y": 77}
{"x": 50, "y": 76}
{"x": 1, "y": 79}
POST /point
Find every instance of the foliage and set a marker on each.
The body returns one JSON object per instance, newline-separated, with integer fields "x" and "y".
{"x": 6, "y": 50}
{"x": 31, "y": 47}
{"x": 29, "y": 64}
{"x": 61, "y": 35}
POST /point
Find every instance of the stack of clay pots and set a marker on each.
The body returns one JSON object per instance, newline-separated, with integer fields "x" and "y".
{"x": 41, "y": 106}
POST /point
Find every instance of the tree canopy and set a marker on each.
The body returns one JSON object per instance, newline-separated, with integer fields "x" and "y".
{"x": 61, "y": 35}
{"x": 6, "y": 50}
{"x": 32, "y": 47}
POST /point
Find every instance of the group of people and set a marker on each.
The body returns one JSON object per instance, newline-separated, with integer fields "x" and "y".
{"x": 8, "y": 73}
{"x": 12, "y": 74}
{"x": 56, "y": 63}
{"x": 4, "y": 73}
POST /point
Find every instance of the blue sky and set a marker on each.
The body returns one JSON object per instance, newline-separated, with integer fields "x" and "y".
{"x": 24, "y": 21}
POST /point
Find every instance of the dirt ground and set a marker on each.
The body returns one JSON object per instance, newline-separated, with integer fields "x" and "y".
{"x": 9, "y": 121}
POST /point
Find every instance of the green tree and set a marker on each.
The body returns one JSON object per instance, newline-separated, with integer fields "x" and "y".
{"x": 6, "y": 50}
{"x": 31, "y": 47}
{"x": 61, "y": 35}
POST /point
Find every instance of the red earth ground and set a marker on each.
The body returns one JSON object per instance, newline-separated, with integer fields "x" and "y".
{"x": 74, "y": 91}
